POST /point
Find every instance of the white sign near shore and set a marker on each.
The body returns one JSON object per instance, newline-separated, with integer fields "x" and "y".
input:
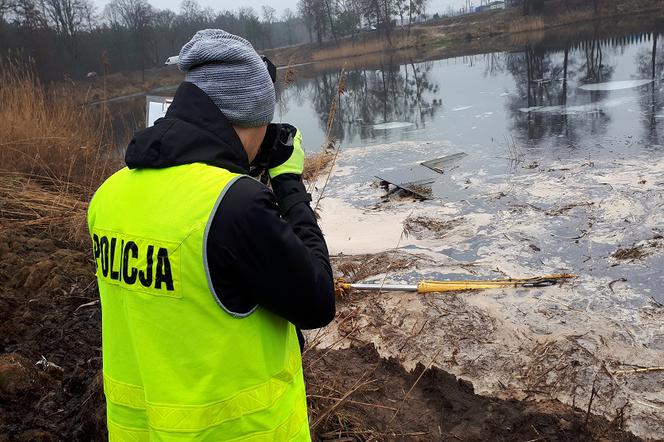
{"x": 155, "y": 108}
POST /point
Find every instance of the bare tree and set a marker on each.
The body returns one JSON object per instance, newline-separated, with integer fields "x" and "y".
{"x": 288, "y": 17}
{"x": 27, "y": 14}
{"x": 314, "y": 14}
{"x": 133, "y": 14}
{"x": 252, "y": 26}
{"x": 68, "y": 17}
{"x": 137, "y": 16}
{"x": 165, "y": 24}
{"x": 191, "y": 11}
{"x": 269, "y": 17}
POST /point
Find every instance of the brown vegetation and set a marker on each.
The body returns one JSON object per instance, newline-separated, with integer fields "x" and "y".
{"x": 54, "y": 154}
{"x": 46, "y": 135}
{"x": 42, "y": 205}
{"x": 423, "y": 226}
{"x": 315, "y": 164}
{"x": 527, "y": 24}
{"x": 373, "y": 44}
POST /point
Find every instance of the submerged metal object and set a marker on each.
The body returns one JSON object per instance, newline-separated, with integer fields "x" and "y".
{"x": 416, "y": 179}
{"x": 440, "y": 164}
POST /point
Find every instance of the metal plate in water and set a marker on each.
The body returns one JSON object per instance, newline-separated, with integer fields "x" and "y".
{"x": 419, "y": 178}
{"x": 443, "y": 163}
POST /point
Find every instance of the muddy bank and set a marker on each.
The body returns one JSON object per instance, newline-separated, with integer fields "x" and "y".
{"x": 51, "y": 390}
{"x": 50, "y": 342}
{"x": 377, "y": 399}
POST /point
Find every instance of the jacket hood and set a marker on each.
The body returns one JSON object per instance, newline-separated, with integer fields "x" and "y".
{"x": 194, "y": 130}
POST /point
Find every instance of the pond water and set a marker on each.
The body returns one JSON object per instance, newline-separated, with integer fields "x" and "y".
{"x": 539, "y": 96}
{"x": 573, "y": 130}
{"x": 563, "y": 172}
{"x": 564, "y": 122}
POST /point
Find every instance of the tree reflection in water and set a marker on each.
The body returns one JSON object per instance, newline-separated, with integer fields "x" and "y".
{"x": 541, "y": 109}
{"x": 384, "y": 93}
{"x": 650, "y": 64}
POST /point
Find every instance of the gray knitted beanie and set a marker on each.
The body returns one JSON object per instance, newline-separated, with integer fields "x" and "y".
{"x": 228, "y": 69}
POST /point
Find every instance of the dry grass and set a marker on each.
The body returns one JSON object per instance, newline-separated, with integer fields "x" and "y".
{"x": 35, "y": 205}
{"x": 538, "y": 23}
{"x": 316, "y": 164}
{"x": 356, "y": 268}
{"x": 53, "y": 155}
{"x": 352, "y": 48}
{"x": 46, "y": 133}
{"x": 125, "y": 83}
{"x": 422, "y": 225}
{"x": 528, "y": 24}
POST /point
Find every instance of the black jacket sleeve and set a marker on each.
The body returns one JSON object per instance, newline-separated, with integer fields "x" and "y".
{"x": 261, "y": 252}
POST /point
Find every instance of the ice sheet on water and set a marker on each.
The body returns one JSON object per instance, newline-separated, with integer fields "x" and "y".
{"x": 392, "y": 125}
{"x": 579, "y": 109}
{"x": 614, "y": 85}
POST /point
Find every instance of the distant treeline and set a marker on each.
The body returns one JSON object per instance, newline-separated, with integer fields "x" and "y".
{"x": 71, "y": 38}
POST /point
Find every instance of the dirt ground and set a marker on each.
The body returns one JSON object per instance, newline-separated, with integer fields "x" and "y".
{"x": 51, "y": 390}
{"x": 385, "y": 402}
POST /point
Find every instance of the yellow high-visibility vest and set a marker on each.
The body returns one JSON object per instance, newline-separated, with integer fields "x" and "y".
{"x": 177, "y": 365}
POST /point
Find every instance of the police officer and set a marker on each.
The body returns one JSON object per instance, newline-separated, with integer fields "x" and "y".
{"x": 205, "y": 274}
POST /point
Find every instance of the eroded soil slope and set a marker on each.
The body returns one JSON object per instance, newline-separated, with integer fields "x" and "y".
{"x": 50, "y": 362}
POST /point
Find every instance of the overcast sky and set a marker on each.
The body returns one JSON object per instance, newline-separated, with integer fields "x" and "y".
{"x": 432, "y": 6}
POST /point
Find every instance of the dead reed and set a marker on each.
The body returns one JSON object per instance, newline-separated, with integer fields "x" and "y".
{"x": 368, "y": 45}
{"x": 536, "y": 24}
{"x": 527, "y": 24}
{"x": 45, "y": 133}
{"x": 329, "y": 142}
{"x": 54, "y": 153}
{"x": 315, "y": 164}
{"x": 35, "y": 205}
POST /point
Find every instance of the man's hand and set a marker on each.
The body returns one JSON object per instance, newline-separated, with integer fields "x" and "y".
{"x": 288, "y": 155}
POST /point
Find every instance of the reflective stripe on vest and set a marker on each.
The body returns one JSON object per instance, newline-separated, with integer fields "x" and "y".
{"x": 176, "y": 365}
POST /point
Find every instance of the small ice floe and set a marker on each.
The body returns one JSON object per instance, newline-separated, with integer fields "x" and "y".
{"x": 461, "y": 108}
{"x": 529, "y": 109}
{"x": 614, "y": 85}
{"x": 579, "y": 109}
{"x": 392, "y": 125}
{"x": 541, "y": 81}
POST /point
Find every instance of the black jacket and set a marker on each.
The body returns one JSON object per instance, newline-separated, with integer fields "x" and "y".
{"x": 264, "y": 247}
